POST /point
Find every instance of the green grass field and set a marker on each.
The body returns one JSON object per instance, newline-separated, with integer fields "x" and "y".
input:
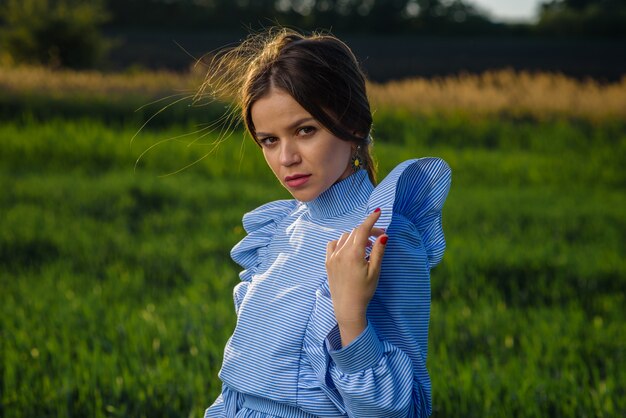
{"x": 116, "y": 284}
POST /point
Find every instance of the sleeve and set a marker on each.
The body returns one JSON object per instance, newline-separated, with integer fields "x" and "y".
{"x": 226, "y": 405}
{"x": 383, "y": 371}
{"x": 249, "y": 253}
{"x": 260, "y": 225}
{"x": 217, "y": 409}
{"x": 374, "y": 378}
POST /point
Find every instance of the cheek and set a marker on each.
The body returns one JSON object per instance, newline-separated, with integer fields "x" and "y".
{"x": 271, "y": 161}
{"x": 339, "y": 155}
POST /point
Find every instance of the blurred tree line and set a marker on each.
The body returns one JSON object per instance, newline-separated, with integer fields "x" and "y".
{"x": 434, "y": 17}
{"x": 56, "y": 33}
{"x": 66, "y": 32}
{"x": 605, "y": 18}
{"x": 367, "y": 16}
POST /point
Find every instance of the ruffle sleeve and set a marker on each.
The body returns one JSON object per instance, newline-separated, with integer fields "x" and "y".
{"x": 260, "y": 225}
{"x": 249, "y": 253}
{"x": 383, "y": 372}
{"x": 417, "y": 190}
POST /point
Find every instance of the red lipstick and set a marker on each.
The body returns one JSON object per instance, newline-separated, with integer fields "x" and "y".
{"x": 297, "y": 180}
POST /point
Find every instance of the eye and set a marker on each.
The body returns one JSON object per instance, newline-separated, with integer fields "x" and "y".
{"x": 268, "y": 141}
{"x": 307, "y": 130}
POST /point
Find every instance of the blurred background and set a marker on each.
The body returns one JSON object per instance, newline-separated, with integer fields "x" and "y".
{"x": 121, "y": 198}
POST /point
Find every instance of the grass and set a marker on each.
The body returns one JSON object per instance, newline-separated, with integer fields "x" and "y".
{"x": 501, "y": 93}
{"x": 117, "y": 284}
{"x": 505, "y": 92}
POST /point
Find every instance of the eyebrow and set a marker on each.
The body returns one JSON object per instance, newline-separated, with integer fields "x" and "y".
{"x": 291, "y": 126}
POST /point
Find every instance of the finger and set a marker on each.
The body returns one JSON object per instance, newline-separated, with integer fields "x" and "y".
{"x": 330, "y": 249}
{"x": 344, "y": 237}
{"x": 377, "y": 232}
{"x": 376, "y": 256}
{"x": 364, "y": 230}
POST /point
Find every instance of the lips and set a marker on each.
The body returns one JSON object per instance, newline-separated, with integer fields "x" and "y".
{"x": 297, "y": 180}
{"x": 295, "y": 176}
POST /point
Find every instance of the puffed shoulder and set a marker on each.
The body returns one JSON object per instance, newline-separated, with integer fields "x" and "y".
{"x": 260, "y": 224}
{"x": 417, "y": 190}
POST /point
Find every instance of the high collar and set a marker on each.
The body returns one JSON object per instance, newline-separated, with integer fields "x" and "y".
{"x": 342, "y": 197}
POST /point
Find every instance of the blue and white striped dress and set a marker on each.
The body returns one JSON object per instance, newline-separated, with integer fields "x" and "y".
{"x": 284, "y": 358}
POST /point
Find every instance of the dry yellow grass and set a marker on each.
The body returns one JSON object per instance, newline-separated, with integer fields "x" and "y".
{"x": 505, "y": 92}
{"x": 66, "y": 83}
{"x": 508, "y": 92}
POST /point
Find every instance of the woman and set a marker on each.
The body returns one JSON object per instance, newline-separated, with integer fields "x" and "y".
{"x": 327, "y": 326}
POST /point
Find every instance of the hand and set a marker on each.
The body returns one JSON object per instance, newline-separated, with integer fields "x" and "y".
{"x": 352, "y": 279}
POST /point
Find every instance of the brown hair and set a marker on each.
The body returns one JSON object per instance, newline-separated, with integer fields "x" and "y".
{"x": 319, "y": 71}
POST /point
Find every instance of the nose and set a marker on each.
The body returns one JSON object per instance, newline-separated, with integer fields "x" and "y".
{"x": 289, "y": 153}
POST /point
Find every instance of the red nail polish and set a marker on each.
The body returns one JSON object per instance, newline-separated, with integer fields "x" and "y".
{"x": 384, "y": 239}
{"x": 377, "y": 210}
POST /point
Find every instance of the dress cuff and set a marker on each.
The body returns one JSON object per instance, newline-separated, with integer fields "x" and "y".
{"x": 362, "y": 353}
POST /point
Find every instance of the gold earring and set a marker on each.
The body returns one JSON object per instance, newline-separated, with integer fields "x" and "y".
{"x": 357, "y": 161}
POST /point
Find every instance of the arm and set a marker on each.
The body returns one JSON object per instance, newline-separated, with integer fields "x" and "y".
{"x": 239, "y": 292}
{"x": 217, "y": 409}
{"x": 374, "y": 378}
{"x": 352, "y": 278}
{"x": 380, "y": 371}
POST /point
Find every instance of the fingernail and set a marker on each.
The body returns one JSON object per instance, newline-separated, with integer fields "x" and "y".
{"x": 383, "y": 240}
{"x": 377, "y": 210}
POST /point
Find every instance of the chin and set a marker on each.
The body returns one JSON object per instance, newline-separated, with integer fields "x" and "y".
{"x": 304, "y": 195}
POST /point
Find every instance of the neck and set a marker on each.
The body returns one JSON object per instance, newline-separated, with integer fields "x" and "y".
{"x": 342, "y": 197}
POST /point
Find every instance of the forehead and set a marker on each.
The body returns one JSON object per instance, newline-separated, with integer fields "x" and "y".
{"x": 276, "y": 110}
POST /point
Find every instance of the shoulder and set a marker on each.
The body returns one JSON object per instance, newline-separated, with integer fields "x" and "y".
{"x": 411, "y": 182}
{"x": 419, "y": 182}
{"x": 271, "y": 212}
{"x": 416, "y": 190}
{"x": 261, "y": 225}
{"x": 417, "y": 173}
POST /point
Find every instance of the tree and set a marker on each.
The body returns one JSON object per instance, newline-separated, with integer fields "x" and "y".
{"x": 583, "y": 17}
{"x": 383, "y": 16}
{"x": 56, "y": 33}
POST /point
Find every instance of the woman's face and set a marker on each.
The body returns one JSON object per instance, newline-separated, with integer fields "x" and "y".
{"x": 305, "y": 157}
